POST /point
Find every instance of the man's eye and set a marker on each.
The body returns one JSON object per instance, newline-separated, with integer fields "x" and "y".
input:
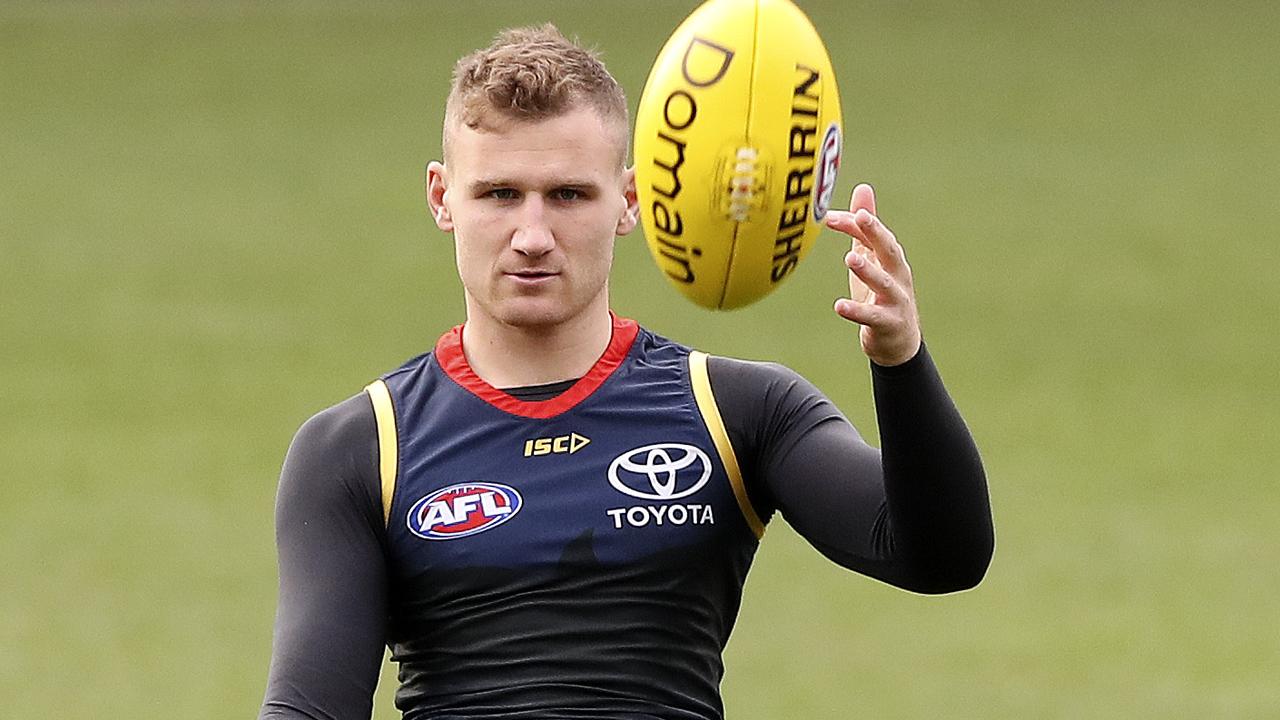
{"x": 502, "y": 194}
{"x": 566, "y": 194}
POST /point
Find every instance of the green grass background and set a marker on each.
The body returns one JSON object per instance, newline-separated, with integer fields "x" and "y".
{"x": 211, "y": 226}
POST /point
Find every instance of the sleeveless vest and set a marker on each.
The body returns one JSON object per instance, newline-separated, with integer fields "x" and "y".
{"x": 584, "y": 554}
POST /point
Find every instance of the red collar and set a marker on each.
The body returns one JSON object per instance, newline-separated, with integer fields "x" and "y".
{"x": 453, "y": 361}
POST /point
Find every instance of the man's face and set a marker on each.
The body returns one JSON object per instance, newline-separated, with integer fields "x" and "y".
{"x": 534, "y": 208}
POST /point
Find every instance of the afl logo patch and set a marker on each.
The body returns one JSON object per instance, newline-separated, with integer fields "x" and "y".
{"x": 464, "y": 509}
{"x": 665, "y": 471}
{"x": 824, "y": 185}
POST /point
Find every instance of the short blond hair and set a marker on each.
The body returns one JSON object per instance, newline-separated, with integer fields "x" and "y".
{"x": 531, "y": 74}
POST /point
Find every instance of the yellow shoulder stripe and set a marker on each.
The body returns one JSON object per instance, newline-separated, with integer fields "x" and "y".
{"x": 715, "y": 425}
{"x": 388, "y": 442}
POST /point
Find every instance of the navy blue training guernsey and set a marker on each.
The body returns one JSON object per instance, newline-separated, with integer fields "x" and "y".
{"x": 531, "y": 543}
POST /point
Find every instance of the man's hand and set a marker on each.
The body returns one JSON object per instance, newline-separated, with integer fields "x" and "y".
{"x": 881, "y": 293}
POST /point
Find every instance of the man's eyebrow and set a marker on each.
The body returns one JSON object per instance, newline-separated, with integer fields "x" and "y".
{"x": 486, "y": 184}
{"x": 483, "y": 185}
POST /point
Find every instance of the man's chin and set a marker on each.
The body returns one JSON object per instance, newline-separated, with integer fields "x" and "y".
{"x": 541, "y": 311}
{"x": 533, "y": 315}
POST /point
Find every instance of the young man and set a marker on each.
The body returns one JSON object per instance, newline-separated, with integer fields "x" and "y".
{"x": 552, "y": 513}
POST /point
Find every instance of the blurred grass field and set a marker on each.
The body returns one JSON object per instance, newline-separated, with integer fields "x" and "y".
{"x": 211, "y": 226}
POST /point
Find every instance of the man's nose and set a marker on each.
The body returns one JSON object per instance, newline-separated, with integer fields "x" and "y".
{"x": 533, "y": 233}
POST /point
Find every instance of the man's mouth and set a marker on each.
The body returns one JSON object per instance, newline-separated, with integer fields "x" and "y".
{"x": 531, "y": 275}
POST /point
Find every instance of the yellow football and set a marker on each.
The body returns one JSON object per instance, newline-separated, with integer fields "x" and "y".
{"x": 737, "y": 143}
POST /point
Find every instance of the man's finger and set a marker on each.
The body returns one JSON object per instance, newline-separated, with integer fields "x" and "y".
{"x": 880, "y": 239}
{"x": 843, "y": 222}
{"x": 887, "y": 289}
{"x": 863, "y": 198}
{"x": 866, "y": 314}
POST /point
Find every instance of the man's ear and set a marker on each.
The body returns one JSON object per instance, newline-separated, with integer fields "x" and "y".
{"x": 437, "y": 186}
{"x": 630, "y": 216}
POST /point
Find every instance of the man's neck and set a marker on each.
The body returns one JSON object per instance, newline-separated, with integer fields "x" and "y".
{"x": 508, "y": 356}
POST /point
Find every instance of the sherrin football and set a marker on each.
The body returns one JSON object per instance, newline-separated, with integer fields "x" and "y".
{"x": 737, "y": 143}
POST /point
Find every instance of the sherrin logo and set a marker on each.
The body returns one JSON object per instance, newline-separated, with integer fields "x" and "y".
{"x": 828, "y": 164}
{"x": 664, "y": 471}
{"x": 462, "y": 510}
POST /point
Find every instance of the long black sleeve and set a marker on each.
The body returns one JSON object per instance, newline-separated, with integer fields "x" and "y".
{"x": 914, "y": 514}
{"x": 330, "y": 626}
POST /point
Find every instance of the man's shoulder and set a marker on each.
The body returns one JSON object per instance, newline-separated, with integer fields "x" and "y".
{"x": 760, "y": 394}
{"x": 341, "y": 424}
{"x": 750, "y": 373}
{"x": 735, "y": 376}
{"x": 332, "y": 459}
{"x": 348, "y": 423}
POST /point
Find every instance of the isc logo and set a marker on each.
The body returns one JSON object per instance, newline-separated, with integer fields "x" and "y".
{"x": 570, "y": 444}
{"x": 461, "y": 510}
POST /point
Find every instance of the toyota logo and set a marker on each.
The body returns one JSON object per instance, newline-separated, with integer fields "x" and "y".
{"x": 665, "y": 471}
